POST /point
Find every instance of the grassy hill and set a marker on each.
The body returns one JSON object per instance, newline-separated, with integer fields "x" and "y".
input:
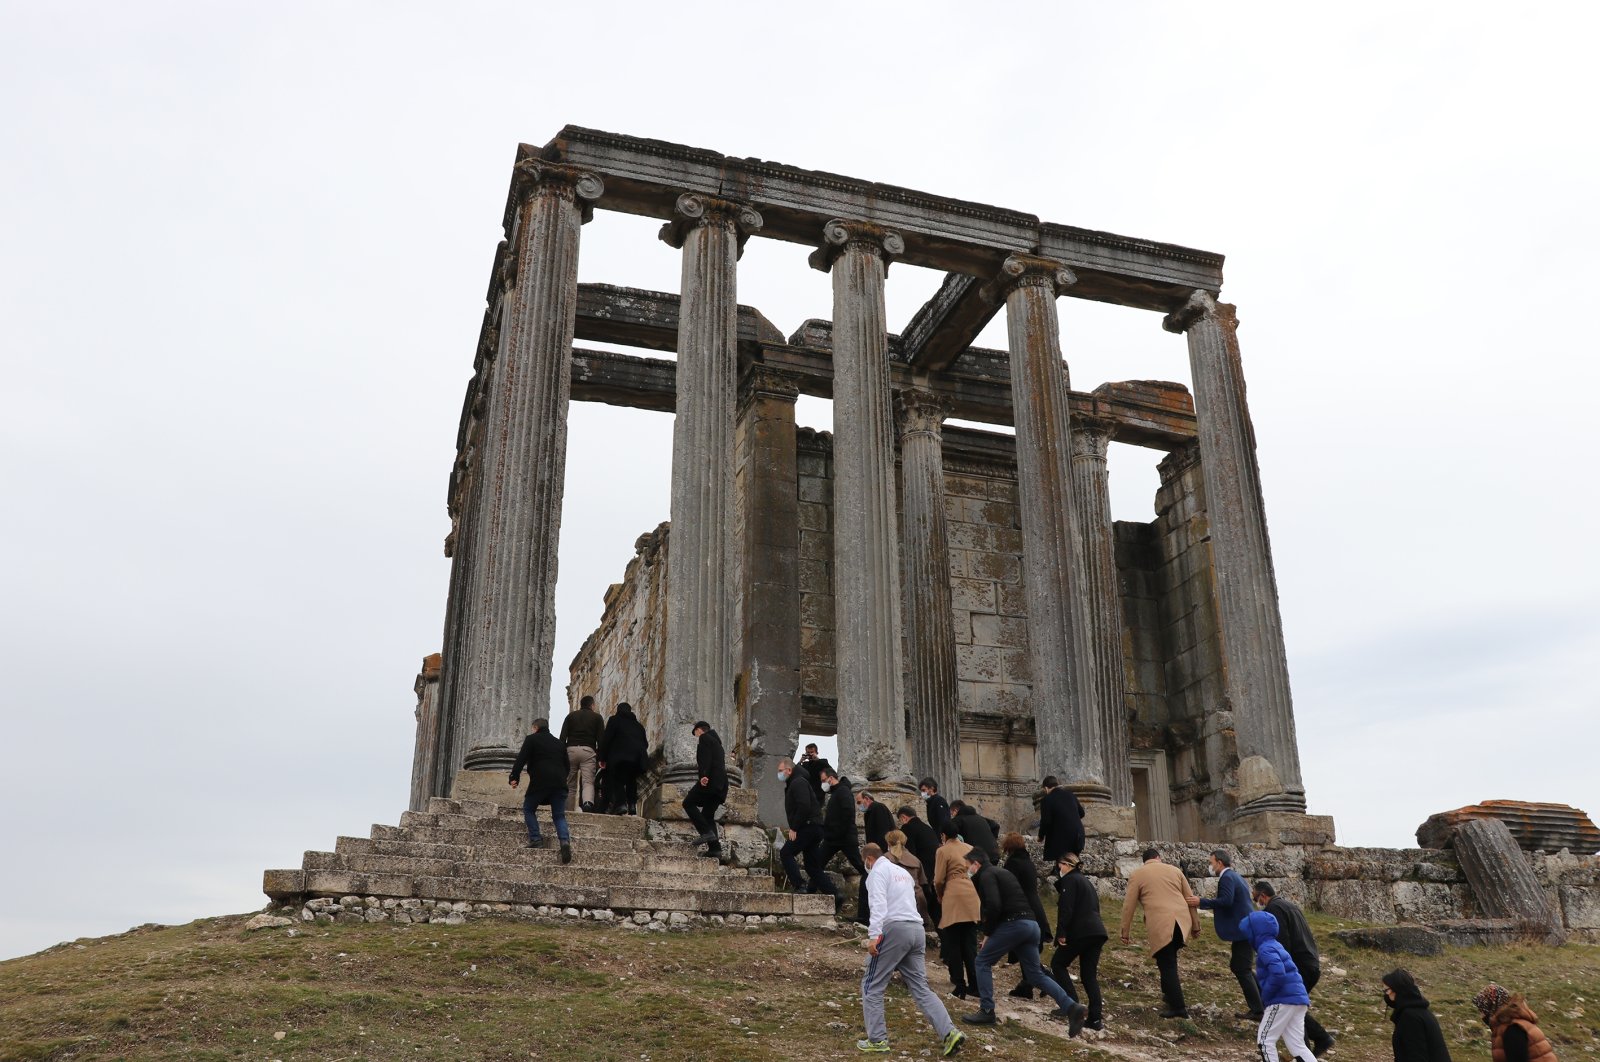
{"x": 509, "y": 990}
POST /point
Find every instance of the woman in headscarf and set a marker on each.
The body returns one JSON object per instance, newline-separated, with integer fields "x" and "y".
{"x": 1515, "y": 1029}
{"x": 1416, "y": 1031}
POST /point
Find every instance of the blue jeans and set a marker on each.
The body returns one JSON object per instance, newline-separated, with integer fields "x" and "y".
{"x": 1020, "y": 935}
{"x": 557, "y": 799}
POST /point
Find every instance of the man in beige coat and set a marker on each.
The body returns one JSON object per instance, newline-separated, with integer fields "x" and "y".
{"x": 1164, "y": 893}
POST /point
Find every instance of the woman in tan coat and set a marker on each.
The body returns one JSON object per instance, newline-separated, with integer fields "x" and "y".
{"x": 900, "y": 856}
{"x": 960, "y": 911}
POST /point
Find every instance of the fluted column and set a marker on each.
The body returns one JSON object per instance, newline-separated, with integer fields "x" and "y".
{"x": 1065, "y": 715}
{"x": 1257, "y": 668}
{"x": 508, "y": 604}
{"x": 1091, "y": 493}
{"x": 700, "y": 593}
{"x": 866, "y": 561}
{"x": 932, "y": 699}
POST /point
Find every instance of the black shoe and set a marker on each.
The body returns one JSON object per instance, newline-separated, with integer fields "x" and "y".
{"x": 587, "y": 805}
{"x": 1249, "y": 1015}
{"x": 711, "y": 853}
{"x": 1097, "y": 1026}
{"x": 566, "y": 853}
{"x": 536, "y": 844}
{"x": 633, "y": 809}
{"x": 1022, "y": 991}
{"x": 1075, "y": 1016}
{"x": 1322, "y": 1047}
{"x": 980, "y": 1017}
{"x": 706, "y": 838}
{"x": 1174, "y": 1012}
{"x": 961, "y": 991}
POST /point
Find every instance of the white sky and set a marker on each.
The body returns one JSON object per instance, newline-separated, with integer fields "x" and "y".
{"x": 243, "y": 256}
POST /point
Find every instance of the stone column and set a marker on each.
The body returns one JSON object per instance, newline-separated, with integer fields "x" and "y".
{"x": 1257, "y": 668}
{"x": 424, "y": 761}
{"x": 1063, "y": 676}
{"x": 1091, "y": 493}
{"x": 701, "y": 609}
{"x": 508, "y": 595}
{"x": 866, "y": 561}
{"x": 770, "y": 648}
{"x": 932, "y": 699}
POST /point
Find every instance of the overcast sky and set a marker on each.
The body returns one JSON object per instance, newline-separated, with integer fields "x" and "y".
{"x": 243, "y": 255}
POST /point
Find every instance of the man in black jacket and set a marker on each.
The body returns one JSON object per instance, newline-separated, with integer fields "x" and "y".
{"x": 839, "y": 831}
{"x": 976, "y": 830}
{"x": 876, "y": 821}
{"x": 545, "y": 757}
{"x": 624, "y": 750}
{"x": 815, "y": 767}
{"x": 1060, "y": 821}
{"x": 1008, "y": 922}
{"x": 1080, "y": 934}
{"x": 938, "y": 810}
{"x": 923, "y": 844}
{"x": 709, "y": 790}
{"x": 805, "y": 832}
{"x": 1294, "y": 933}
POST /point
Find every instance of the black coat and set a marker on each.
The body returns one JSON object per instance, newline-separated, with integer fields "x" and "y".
{"x": 1294, "y": 933}
{"x": 876, "y": 822}
{"x": 1001, "y": 896}
{"x": 545, "y": 757}
{"x": 712, "y": 762}
{"x": 814, "y": 770}
{"x": 938, "y": 813}
{"x": 839, "y": 817}
{"x": 1021, "y": 867}
{"x": 1078, "y": 908}
{"x": 624, "y": 743}
{"x": 1416, "y": 1031}
{"x": 582, "y": 727}
{"x": 799, "y": 803}
{"x": 922, "y": 843}
{"x": 1060, "y": 823}
{"x": 976, "y": 832}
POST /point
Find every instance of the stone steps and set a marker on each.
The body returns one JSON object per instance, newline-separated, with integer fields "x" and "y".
{"x": 468, "y": 851}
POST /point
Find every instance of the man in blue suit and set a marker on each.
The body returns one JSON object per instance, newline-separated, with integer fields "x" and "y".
{"x": 1231, "y": 906}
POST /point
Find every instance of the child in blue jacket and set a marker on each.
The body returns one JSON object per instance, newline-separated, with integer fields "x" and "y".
{"x": 1283, "y": 992}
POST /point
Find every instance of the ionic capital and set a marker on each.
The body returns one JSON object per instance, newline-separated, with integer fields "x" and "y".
{"x": 920, "y": 411}
{"x": 533, "y": 177}
{"x": 1027, "y": 270}
{"x": 1201, "y": 305}
{"x": 840, "y": 235}
{"x": 693, "y": 210}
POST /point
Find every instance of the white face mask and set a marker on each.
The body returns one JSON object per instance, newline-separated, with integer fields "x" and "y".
{"x": 826, "y": 786}
{"x": 926, "y": 795}
{"x": 971, "y": 873}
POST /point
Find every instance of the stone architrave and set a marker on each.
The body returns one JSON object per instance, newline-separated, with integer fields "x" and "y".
{"x": 866, "y": 561}
{"x": 508, "y": 598}
{"x": 932, "y": 696}
{"x": 1255, "y": 664}
{"x": 1091, "y": 492}
{"x": 701, "y": 606}
{"x": 1064, "y": 701}
{"x": 770, "y": 648}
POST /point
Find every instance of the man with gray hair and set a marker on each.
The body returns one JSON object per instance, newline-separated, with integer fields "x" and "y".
{"x": 896, "y": 941}
{"x": 1231, "y": 906}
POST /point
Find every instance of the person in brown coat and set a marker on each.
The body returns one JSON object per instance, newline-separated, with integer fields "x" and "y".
{"x": 1514, "y": 1028}
{"x": 959, "y": 912}
{"x": 898, "y": 854}
{"x": 1163, "y": 892}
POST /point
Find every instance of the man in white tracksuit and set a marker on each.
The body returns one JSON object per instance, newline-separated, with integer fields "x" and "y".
{"x": 896, "y": 941}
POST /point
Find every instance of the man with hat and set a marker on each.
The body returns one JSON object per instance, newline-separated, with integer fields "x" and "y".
{"x": 708, "y": 793}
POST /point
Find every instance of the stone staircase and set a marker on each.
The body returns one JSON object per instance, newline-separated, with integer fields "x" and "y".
{"x": 474, "y": 852}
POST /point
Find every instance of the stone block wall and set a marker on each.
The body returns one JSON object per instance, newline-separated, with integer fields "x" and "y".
{"x": 818, "y": 677}
{"x": 624, "y": 659}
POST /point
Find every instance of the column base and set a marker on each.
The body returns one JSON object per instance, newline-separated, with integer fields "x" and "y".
{"x": 490, "y": 758}
{"x": 1278, "y": 828}
{"x": 1110, "y": 821}
{"x": 492, "y": 786}
{"x": 1089, "y": 793}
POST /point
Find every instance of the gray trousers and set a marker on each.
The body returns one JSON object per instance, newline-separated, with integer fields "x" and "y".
{"x": 903, "y": 948}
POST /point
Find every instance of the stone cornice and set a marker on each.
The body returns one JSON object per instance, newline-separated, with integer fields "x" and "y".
{"x": 840, "y": 235}
{"x": 693, "y": 211}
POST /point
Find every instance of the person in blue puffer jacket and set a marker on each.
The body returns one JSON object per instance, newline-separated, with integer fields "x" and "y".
{"x": 1283, "y": 992}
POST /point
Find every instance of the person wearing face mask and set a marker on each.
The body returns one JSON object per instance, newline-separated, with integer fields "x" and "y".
{"x": 1513, "y": 1027}
{"x": 1416, "y": 1031}
{"x": 938, "y": 810}
{"x": 839, "y": 832}
{"x": 1009, "y": 925}
{"x": 805, "y": 832}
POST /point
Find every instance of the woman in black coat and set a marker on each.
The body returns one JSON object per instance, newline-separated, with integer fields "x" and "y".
{"x": 1080, "y": 934}
{"x": 622, "y": 754}
{"x": 1021, "y": 867}
{"x": 1416, "y": 1031}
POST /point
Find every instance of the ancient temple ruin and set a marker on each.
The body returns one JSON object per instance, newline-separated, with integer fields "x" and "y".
{"x": 947, "y": 600}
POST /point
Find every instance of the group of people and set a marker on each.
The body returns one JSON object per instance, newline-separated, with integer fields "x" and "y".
{"x": 594, "y": 762}
{"x": 1514, "y": 1033}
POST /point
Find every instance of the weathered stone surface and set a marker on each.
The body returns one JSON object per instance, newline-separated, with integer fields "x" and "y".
{"x": 1358, "y": 901}
{"x": 266, "y": 921}
{"x": 1536, "y": 827}
{"x": 1407, "y": 940}
{"x": 1501, "y": 878}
